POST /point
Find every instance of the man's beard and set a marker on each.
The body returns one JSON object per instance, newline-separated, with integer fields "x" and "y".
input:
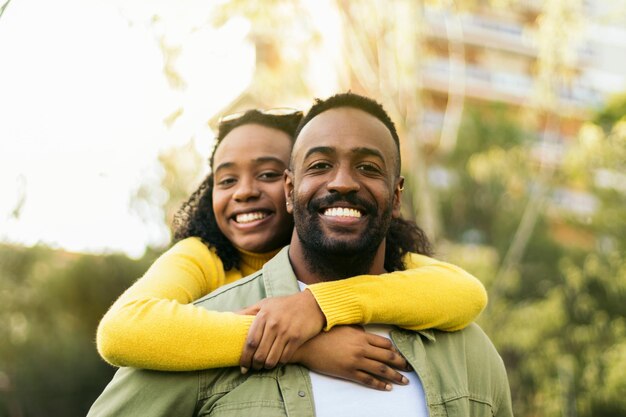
{"x": 339, "y": 258}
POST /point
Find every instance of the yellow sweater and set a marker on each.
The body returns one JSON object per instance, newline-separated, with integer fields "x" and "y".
{"x": 153, "y": 326}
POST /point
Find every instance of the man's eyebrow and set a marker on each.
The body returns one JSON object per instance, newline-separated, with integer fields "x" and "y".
{"x": 258, "y": 161}
{"x": 363, "y": 151}
{"x": 327, "y": 150}
{"x": 360, "y": 151}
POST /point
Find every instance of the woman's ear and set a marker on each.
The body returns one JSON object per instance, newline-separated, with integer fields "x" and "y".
{"x": 289, "y": 190}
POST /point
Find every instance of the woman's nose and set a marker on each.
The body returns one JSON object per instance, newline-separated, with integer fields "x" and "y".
{"x": 246, "y": 190}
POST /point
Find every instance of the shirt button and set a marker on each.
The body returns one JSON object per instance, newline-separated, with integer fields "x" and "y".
{"x": 301, "y": 393}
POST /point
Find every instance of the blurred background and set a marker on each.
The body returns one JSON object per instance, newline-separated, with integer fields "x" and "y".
{"x": 512, "y": 116}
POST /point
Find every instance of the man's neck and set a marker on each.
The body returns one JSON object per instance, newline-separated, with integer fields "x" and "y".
{"x": 310, "y": 266}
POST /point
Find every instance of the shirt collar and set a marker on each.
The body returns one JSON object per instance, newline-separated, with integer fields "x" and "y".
{"x": 278, "y": 275}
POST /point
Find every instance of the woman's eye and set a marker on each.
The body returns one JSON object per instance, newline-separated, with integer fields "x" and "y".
{"x": 225, "y": 182}
{"x": 270, "y": 175}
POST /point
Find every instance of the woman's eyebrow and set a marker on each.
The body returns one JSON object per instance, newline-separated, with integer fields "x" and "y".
{"x": 224, "y": 165}
{"x": 257, "y": 161}
{"x": 264, "y": 159}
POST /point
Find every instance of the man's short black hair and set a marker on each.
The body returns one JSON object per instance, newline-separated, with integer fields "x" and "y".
{"x": 358, "y": 102}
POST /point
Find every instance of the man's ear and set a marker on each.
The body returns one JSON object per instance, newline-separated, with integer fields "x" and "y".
{"x": 289, "y": 190}
{"x": 397, "y": 197}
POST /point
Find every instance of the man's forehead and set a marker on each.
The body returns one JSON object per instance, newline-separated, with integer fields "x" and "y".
{"x": 344, "y": 127}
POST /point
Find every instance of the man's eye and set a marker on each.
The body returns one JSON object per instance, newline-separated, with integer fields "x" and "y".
{"x": 319, "y": 165}
{"x": 371, "y": 168}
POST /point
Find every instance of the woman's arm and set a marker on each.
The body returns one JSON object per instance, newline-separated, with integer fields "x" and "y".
{"x": 429, "y": 294}
{"x": 153, "y": 326}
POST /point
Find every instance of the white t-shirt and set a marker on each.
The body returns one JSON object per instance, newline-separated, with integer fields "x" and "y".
{"x": 337, "y": 397}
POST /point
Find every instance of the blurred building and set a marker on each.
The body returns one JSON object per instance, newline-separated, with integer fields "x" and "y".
{"x": 497, "y": 56}
{"x": 492, "y": 55}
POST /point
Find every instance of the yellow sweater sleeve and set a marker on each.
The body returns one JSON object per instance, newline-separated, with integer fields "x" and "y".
{"x": 153, "y": 326}
{"x": 429, "y": 294}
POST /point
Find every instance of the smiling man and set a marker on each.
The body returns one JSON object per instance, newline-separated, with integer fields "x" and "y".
{"x": 343, "y": 188}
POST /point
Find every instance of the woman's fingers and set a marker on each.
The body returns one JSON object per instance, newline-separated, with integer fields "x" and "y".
{"x": 276, "y": 353}
{"x": 265, "y": 342}
{"x": 255, "y": 334}
{"x": 282, "y": 324}
{"x": 379, "y": 372}
{"x": 382, "y": 350}
{"x": 371, "y": 381}
{"x": 249, "y": 311}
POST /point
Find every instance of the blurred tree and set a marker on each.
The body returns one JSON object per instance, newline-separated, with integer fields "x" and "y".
{"x": 158, "y": 198}
{"x": 614, "y": 110}
{"x": 4, "y": 6}
{"x": 279, "y": 31}
{"x": 50, "y": 304}
{"x": 559, "y": 321}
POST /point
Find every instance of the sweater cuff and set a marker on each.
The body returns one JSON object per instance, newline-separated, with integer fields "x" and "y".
{"x": 338, "y": 302}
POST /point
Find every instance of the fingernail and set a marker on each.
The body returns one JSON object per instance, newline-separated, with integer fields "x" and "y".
{"x": 405, "y": 380}
{"x": 244, "y": 370}
{"x": 388, "y": 387}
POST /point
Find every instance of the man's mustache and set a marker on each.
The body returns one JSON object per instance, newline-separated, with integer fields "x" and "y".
{"x": 350, "y": 199}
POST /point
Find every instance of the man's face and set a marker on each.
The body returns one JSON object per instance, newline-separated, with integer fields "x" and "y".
{"x": 343, "y": 190}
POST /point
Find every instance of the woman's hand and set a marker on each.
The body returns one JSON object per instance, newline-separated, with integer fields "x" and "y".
{"x": 281, "y": 326}
{"x": 349, "y": 352}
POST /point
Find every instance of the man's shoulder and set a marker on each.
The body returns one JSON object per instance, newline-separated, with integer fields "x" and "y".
{"x": 276, "y": 278}
{"x": 466, "y": 363}
{"x": 472, "y": 339}
{"x": 241, "y": 293}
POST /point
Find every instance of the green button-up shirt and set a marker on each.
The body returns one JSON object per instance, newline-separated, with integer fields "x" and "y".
{"x": 461, "y": 372}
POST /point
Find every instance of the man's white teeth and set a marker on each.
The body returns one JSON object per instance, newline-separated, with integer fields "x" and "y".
{"x": 250, "y": 217}
{"x": 342, "y": 212}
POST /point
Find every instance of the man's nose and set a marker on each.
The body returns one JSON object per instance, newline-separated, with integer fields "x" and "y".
{"x": 246, "y": 189}
{"x": 343, "y": 181}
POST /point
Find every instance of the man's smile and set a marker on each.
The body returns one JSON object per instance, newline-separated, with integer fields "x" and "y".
{"x": 342, "y": 212}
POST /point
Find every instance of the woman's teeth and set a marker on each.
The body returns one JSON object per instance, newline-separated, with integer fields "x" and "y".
{"x": 250, "y": 217}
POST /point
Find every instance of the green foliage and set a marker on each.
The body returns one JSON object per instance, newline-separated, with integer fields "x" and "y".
{"x": 559, "y": 321}
{"x": 50, "y": 304}
{"x": 611, "y": 113}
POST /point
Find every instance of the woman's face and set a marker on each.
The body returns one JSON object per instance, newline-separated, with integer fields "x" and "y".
{"x": 248, "y": 193}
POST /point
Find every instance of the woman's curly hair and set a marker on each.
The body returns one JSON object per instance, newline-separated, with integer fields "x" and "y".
{"x": 196, "y": 218}
{"x": 404, "y": 236}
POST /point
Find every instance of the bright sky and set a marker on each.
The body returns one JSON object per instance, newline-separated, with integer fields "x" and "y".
{"x": 82, "y": 102}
